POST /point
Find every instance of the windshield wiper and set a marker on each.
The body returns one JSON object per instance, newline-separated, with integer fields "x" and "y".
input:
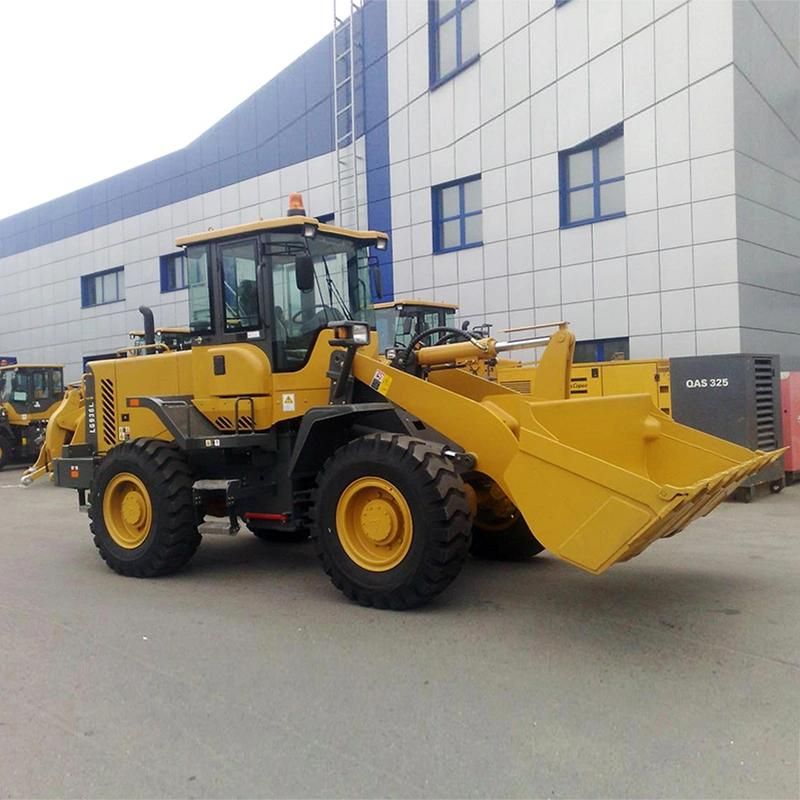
{"x": 333, "y": 289}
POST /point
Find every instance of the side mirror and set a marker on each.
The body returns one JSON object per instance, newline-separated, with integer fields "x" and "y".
{"x": 465, "y": 325}
{"x": 304, "y": 273}
{"x": 408, "y": 324}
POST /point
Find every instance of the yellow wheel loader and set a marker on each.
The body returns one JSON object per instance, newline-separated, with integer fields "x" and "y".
{"x": 66, "y": 424}
{"x": 397, "y": 321}
{"x": 29, "y": 393}
{"x": 283, "y": 417}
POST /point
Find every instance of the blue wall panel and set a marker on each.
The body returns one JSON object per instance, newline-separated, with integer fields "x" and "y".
{"x": 376, "y": 89}
{"x": 320, "y": 128}
{"x": 267, "y": 112}
{"x": 247, "y": 164}
{"x": 292, "y": 146}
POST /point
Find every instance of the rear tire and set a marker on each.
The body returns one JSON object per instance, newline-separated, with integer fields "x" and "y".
{"x": 515, "y": 543}
{"x": 6, "y": 447}
{"x": 141, "y": 514}
{"x": 277, "y": 536}
{"x": 499, "y": 531}
{"x": 391, "y": 522}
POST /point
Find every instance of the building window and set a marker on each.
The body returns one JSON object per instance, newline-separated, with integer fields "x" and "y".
{"x": 454, "y": 37}
{"x": 103, "y": 287}
{"x": 457, "y": 215}
{"x": 602, "y": 350}
{"x": 173, "y": 272}
{"x": 592, "y": 179}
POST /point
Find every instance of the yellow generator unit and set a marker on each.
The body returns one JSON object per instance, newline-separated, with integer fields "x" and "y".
{"x": 600, "y": 379}
{"x": 29, "y": 393}
{"x": 283, "y": 417}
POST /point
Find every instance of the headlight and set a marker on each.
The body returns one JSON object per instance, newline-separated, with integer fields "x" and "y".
{"x": 360, "y": 334}
{"x": 347, "y": 333}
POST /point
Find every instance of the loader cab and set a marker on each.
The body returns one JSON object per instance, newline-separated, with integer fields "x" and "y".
{"x": 277, "y": 283}
{"x": 399, "y": 321}
{"x": 167, "y": 339}
{"x": 30, "y": 391}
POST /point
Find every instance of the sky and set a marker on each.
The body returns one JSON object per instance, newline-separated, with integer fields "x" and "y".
{"x": 91, "y": 88}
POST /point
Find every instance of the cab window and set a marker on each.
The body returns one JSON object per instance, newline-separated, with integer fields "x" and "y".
{"x": 431, "y": 319}
{"x": 58, "y": 383}
{"x": 199, "y": 289}
{"x": 40, "y": 385}
{"x": 240, "y": 288}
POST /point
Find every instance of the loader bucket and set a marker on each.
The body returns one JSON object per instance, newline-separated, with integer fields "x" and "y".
{"x": 64, "y": 427}
{"x": 600, "y": 479}
{"x": 596, "y": 479}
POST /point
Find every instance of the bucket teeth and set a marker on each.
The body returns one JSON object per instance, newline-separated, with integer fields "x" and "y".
{"x": 704, "y": 497}
{"x": 696, "y": 501}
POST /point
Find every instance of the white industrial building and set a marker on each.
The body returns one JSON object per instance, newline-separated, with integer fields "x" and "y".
{"x": 632, "y": 166}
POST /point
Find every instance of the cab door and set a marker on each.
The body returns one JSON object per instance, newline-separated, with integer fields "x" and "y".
{"x": 231, "y": 371}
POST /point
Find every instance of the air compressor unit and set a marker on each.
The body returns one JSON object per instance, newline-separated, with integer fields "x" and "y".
{"x": 735, "y": 396}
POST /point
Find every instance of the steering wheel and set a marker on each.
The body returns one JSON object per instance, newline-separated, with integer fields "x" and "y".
{"x": 310, "y": 318}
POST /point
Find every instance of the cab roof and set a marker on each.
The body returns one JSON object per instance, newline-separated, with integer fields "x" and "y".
{"x": 32, "y": 366}
{"x": 420, "y": 303}
{"x": 183, "y": 329}
{"x": 279, "y": 223}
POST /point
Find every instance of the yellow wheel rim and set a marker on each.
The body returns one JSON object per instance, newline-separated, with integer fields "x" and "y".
{"x": 127, "y": 510}
{"x": 374, "y": 524}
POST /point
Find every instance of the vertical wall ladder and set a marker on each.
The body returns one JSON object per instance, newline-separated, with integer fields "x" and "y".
{"x": 347, "y": 60}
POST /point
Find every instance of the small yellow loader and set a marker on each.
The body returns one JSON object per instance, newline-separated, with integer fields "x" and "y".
{"x": 29, "y": 393}
{"x": 283, "y": 417}
{"x": 396, "y": 321}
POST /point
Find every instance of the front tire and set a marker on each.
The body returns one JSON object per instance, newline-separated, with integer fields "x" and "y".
{"x": 391, "y": 522}
{"x": 141, "y": 514}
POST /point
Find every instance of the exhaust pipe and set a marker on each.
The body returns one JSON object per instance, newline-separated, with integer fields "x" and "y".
{"x": 149, "y": 325}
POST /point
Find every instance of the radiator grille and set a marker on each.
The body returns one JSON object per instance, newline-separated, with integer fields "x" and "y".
{"x": 523, "y": 387}
{"x": 108, "y": 412}
{"x": 765, "y": 404}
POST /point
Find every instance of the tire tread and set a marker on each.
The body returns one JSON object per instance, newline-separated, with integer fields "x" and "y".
{"x": 446, "y": 513}
{"x": 178, "y": 535}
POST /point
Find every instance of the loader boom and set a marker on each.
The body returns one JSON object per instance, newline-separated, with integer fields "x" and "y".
{"x": 597, "y": 480}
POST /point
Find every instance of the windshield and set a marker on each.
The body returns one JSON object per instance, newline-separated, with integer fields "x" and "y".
{"x": 7, "y": 384}
{"x": 341, "y": 290}
{"x": 341, "y": 273}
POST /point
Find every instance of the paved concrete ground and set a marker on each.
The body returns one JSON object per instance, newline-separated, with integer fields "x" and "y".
{"x": 249, "y": 675}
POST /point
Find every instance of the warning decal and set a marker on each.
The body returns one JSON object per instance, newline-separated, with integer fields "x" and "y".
{"x": 381, "y": 382}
